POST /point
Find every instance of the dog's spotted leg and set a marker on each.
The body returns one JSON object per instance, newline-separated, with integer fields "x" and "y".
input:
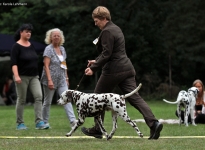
{"x": 71, "y": 131}
{"x": 114, "y": 127}
{"x": 127, "y": 119}
{"x": 192, "y": 117}
{"x": 186, "y": 115}
{"x": 99, "y": 121}
{"x": 193, "y": 122}
{"x": 79, "y": 123}
{"x": 179, "y": 113}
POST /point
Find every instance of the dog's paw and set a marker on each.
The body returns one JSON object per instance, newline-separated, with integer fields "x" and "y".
{"x": 109, "y": 137}
{"x": 141, "y": 135}
{"x": 68, "y": 134}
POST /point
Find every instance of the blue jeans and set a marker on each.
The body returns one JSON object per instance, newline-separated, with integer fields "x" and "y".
{"x": 48, "y": 96}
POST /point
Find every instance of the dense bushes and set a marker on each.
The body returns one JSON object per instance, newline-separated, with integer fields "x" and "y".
{"x": 164, "y": 38}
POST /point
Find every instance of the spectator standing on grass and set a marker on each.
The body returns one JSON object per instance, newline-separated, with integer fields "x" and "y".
{"x": 117, "y": 70}
{"x": 200, "y": 104}
{"x": 55, "y": 75}
{"x": 24, "y": 62}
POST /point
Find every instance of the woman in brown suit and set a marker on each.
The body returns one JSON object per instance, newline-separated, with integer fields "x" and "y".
{"x": 117, "y": 70}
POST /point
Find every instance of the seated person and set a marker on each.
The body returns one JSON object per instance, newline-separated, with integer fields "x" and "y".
{"x": 200, "y": 104}
{"x": 9, "y": 92}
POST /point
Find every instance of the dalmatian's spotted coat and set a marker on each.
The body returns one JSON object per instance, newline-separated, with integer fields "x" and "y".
{"x": 91, "y": 105}
{"x": 188, "y": 101}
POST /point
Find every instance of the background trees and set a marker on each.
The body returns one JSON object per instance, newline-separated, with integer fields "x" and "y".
{"x": 164, "y": 38}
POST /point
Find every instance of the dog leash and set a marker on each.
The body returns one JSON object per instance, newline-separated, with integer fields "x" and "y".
{"x": 80, "y": 82}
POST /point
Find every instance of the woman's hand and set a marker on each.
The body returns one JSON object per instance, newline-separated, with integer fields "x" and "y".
{"x": 67, "y": 81}
{"x": 50, "y": 84}
{"x": 88, "y": 72}
{"x": 17, "y": 79}
{"x": 90, "y": 62}
{"x": 199, "y": 111}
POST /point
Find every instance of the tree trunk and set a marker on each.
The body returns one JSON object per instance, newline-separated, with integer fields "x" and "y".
{"x": 170, "y": 76}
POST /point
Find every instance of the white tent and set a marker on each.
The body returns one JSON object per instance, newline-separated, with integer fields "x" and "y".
{"x": 5, "y": 58}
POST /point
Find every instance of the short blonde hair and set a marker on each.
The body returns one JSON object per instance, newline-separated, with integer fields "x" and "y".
{"x": 49, "y": 33}
{"x": 101, "y": 12}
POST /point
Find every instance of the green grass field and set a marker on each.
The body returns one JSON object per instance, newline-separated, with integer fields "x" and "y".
{"x": 172, "y": 137}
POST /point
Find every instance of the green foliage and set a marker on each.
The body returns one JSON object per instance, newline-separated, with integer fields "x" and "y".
{"x": 153, "y": 29}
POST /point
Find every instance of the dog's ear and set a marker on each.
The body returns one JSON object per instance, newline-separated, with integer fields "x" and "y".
{"x": 197, "y": 91}
{"x": 69, "y": 96}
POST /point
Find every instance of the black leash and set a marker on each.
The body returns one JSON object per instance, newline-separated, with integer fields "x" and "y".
{"x": 80, "y": 82}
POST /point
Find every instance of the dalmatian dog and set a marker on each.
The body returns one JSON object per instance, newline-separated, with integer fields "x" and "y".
{"x": 188, "y": 101}
{"x": 91, "y": 105}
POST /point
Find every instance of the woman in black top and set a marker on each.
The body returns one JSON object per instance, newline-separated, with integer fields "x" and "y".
{"x": 199, "y": 107}
{"x": 24, "y": 62}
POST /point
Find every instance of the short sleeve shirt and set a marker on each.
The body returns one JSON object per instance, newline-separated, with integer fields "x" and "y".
{"x": 26, "y": 59}
{"x": 57, "y": 73}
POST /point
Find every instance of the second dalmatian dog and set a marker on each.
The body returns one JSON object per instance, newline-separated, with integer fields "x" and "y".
{"x": 90, "y": 105}
{"x": 188, "y": 101}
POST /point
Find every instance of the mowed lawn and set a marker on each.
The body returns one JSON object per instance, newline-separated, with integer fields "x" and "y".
{"x": 172, "y": 137}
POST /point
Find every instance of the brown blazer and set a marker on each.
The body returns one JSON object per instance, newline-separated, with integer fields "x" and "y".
{"x": 111, "y": 46}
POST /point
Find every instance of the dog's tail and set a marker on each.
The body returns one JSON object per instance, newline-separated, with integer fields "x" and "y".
{"x": 170, "y": 102}
{"x": 131, "y": 93}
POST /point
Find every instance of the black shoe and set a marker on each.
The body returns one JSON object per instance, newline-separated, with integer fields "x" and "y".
{"x": 92, "y": 132}
{"x": 155, "y": 131}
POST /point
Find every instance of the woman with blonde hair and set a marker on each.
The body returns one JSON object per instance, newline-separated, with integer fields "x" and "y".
{"x": 55, "y": 75}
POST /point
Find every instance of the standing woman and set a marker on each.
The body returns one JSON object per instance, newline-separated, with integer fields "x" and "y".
{"x": 24, "y": 62}
{"x": 54, "y": 75}
{"x": 117, "y": 70}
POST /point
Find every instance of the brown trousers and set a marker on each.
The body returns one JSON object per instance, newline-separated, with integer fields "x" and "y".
{"x": 127, "y": 83}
